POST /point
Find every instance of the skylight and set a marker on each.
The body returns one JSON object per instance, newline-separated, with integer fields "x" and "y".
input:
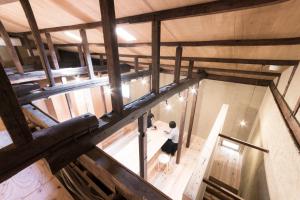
{"x": 125, "y": 35}
{"x": 230, "y": 145}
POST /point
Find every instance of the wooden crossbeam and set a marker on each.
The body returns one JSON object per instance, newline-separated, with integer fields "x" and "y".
{"x": 155, "y": 55}
{"x": 80, "y": 55}
{"x": 11, "y": 49}
{"x": 244, "y": 143}
{"x": 63, "y": 143}
{"x": 118, "y": 177}
{"x": 174, "y": 13}
{"x": 11, "y": 114}
{"x": 242, "y": 80}
{"x": 290, "y": 80}
{"x": 289, "y": 119}
{"x": 224, "y": 185}
{"x": 45, "y": 93}
{"x": 38, "y": 40}
{"x": 112, "y": 53}
{"x": 52, "y": 50}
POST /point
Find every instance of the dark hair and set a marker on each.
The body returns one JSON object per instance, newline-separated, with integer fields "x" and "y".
{"x": 172, "y": 124}
{"x": 150, "y": 115}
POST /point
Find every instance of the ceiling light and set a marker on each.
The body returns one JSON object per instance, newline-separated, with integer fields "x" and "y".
{"x": 125, "y": 90}
{"x": 168, "y": 106}
{"x": 230, "y": 145}
{"x": 144, "y": 81}
{"x": 243, "y": 123}
{"x": 125, "y": 35}
{"x": 193, "y": 90}
{"x": 180, "y": 98}
{"x": 73, "y": 36}
{"x": 274, "y": 67}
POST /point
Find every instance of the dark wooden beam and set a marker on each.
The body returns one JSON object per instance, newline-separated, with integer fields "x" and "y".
{"x": 297, "y": 106}
{"x": 52, "y": 50}
{"x": 191, "y": 122}
{"x": 244, "y": 143}
{"x": 224, "y": 185}
{"x": 155, "y": 55}
{"x": 241, "y": 80}
{"x": 11, "y": 113}
{"x": 112, "y": 53}
{"x": 11, "y": 49}
{"x": 26, "y": 44}
{"x": 181, "y": 126}
{"x": 215, "y": 69}
{"x": 174, "y": 13}
{"x": 118, "y": 177}
{"x": 38, "y": 40}
{"x": 86, "y": 53}
{"x": 80, "y": 55}
{"x": 221, "y": 189}
{"x": 47, "y": 92}
{"x": 289, "y": 119}
{"x": 216, "y": 193}
{"x": 225, "y": 60}
{"x": 61, "y": 145}
{"x": 177, "y": 64}
{"x": 190, "y": 68}
{"x": 142, "y": 126}
{"x": 290, "y": 80}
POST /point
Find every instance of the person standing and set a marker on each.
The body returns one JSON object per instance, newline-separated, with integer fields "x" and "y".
{"x": 170, "y": 146}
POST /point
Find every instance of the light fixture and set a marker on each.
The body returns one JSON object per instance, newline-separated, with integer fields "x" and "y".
{"x": 125, "y": 35}
{"x": 230, "y": 145}
{"x": 193, "y": 90}
{"x": 73, "y": 36}
{"x": 168, "y": 106}
{"x": 133, "y": 80}
{"x": 107, "y": 90}
{"x": 180, "y": 98}
{"x": 243, "y": 123}
{"x": 274, "y": 67}
{"x": 125, "y": 90}
{"x": 144, "y": 81}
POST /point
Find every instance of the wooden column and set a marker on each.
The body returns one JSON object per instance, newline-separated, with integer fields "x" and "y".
{"x": 190, "y": 69}
{"x": 112, "y": 54}
{"x": 181, "y": 127}
{"x": 101, "y": 60}
{"x": 177, "y": 64}
{"x": 86, "y": 52}
{"x": 142, "y": 125}
{"x": 136, "y": 64}
{"x": 155, "y": 55}
{"x": 38, "y": 40}
{"x": 11, "y": 113}
{"x": 80, "y": 54}
{"x": 52, "y": 50}
{"x": 11, "y": 50}
{"x": 191, "y": 122}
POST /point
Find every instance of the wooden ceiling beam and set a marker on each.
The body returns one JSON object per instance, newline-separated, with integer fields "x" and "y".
{"x": 47, "y": 92}
{"x": 61, "y": 145}
{"x": 108, "y": 16}
{"x": 209, "y": 8}
{"x": 155, "y": 51}
{"x": 241, "y": 80}
{"x": 52, "y": 50}
{"x": 177, "y": 64}
{"x": 38, "y": 40}
{"x": 272, "y": 74}
{"x": 86, "y": 53}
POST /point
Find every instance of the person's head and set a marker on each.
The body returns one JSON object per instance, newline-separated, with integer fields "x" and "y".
{"x": 150, "y": 115}
{"x": 172, "y": 124}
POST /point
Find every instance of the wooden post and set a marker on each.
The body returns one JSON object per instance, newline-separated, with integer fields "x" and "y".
{"x": 136, "y": 64}
{"x": 177, "y": 64}
{"x": 191, "y": 122}
{"x": 155, "y": 55}
{"x": 112, "y": 54}
{"x": 52, "y": 50}
{"x": 11, "y": 113}
{"x": 101, "y": 60}
{"x": 38, "y": 40}
{"x": 86, "y": 52}
{"x": 181, "y": 127}
{"x": 142, "y": 125}
{"x": 80, "y": 54}
{"x": 11, "y": 50}
{"x": 290, "y": 80}
{"x": 190, "y": 69}
{"x": 26, "y": 43}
